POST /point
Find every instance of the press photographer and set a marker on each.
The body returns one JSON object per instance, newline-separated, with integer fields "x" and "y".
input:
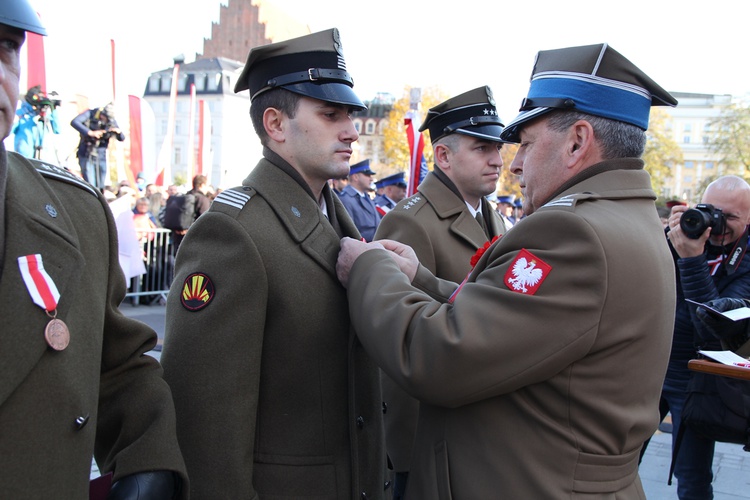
{"x": 708, "y": 244}
{"x": 97, "y": 127}
{"x": 36, "y": 119}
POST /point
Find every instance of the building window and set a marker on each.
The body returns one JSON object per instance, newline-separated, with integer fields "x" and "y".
{"x": 177, "y": 155}
{"x": 153, "y": 84}
{"x": 370, "y": 127}
{"x": 177, "y": 127}
{"x": 200, "y": 82}
{"x": 686, "y": 139}
{"x": 688, "y": 178}
{"x": 709, "y": 165}
{"x": 213, "y": 81}
{"x": 689, "y": 164}
{"x": 358, "y": 126}
{"x": 182, "y": 83}
{"x": 166, "y": 84}
{"x": 164, "y": 127}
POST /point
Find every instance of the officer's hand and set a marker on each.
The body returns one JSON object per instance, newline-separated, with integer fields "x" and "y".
{"x": 154, "y": 485}
{"x": 404, "y": 256}
{"x": 96, "y": 134}
{"x": 719, "y": 326}
{"x": 351, "y": 249}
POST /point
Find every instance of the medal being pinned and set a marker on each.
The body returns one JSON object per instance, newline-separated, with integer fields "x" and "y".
{"x": 44, "y": 293}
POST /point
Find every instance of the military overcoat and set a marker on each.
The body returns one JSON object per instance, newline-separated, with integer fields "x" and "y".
{"x": 534, "y": 384}
{"x": 275, "y": 396}
{"x": 101, "y": 395}
{"x": 437, "y": 224}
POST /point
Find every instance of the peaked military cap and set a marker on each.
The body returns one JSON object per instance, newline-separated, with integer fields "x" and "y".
{"x": 311, "y": 65}
{"x": 362, "y": 167}
{"x": 594, "y": 79}
{"x": 395, "y": 179}
{"x": 506, "y": 199}
{"x": 471, "y": 113}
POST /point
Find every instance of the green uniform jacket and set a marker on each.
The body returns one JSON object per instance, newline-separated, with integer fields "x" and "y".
{"x": 275, "y": 396}
{"x": 544, "y": 393}
{"x": 438, "y": 225}
{"x": 103, "y": 377}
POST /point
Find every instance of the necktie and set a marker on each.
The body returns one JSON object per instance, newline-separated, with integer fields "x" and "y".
{"x": 480, "y": 219}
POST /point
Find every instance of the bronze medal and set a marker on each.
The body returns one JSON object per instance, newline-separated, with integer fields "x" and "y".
{"x": 57, "y": 334}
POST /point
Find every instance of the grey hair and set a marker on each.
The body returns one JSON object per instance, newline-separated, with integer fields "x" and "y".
{"x": 616, "y": 139}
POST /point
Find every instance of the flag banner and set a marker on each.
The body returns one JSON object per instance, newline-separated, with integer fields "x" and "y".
{"x": 417, "y": 163}
{"x": 141, "y": 133}
{"x": 164, "y": 160}
{"x": 204, "y": 140}
{"x": 191, "y": 135}
{"x": 36, "y": 73}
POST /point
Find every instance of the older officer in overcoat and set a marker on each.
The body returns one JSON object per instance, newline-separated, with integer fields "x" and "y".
{"x": 275, "y": 396}
{"x": 74, "y": 377}
{"x": 357, "y": 201}
{"x": 445, "y": 223}
{"x": 539, "y": 376}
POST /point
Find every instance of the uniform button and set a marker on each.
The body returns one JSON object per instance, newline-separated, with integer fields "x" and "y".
{"x": 360, "y": 422}
{"x": 385, "y": 408}
{"x": 81, "y": 422}
{"x": 364, "y": 496}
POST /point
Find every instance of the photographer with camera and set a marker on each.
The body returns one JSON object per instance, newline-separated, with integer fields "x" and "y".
{"x": 36, "y": 117}
{"x": 708, "y": 244}
{"x": 97, "y": 127}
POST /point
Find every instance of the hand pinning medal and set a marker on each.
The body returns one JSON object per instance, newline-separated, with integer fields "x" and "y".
{"x": 44, "y": 293}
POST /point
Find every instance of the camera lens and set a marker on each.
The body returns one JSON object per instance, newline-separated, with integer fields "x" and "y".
{"x": 694, "y": 223}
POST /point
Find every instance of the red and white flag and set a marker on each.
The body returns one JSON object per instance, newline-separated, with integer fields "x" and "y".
{"x": 417, "y": 164}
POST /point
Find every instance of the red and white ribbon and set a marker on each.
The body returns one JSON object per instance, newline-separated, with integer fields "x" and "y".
{"x": 42, "y": 289}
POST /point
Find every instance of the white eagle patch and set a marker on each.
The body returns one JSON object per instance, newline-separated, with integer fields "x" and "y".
{"x": 526, "y": 273}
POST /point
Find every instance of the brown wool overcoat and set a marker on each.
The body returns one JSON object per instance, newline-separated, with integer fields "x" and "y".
{"x": 103, "y": 377}
{"x": 275, "y": 396}
{"x": 437, "y": 224}
{"x": 544, "y": 394}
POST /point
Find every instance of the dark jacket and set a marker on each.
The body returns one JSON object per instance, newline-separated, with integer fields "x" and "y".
{"x": 89, "y": 120}
{"x": 694, "y": 281}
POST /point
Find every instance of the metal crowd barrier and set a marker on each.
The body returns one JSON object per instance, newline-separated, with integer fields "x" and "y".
{"x": 158, "y": 257}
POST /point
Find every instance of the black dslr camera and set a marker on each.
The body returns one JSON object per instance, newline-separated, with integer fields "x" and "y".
{"x": 695, "y": 221}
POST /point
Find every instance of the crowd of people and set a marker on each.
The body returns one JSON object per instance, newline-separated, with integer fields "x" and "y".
{"x": 326, "y": 340}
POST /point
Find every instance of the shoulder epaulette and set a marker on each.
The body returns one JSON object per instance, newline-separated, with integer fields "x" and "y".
{"x": 54, "y": 172}
{"x": 410, "y": 202}
{"x": 569, "y": 202}
{"x": 232, "y": 201}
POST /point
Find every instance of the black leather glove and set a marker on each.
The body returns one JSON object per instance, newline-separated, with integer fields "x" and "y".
{"x": 720, "y": 327}
{"x": 155, "y": 485}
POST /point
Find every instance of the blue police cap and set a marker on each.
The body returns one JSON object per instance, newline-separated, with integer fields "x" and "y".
{"x": 395, "y": 179}
{"x": 593, "y": 79}
{"x": 506, "y": 199}
{"x": 362, "y": 167}
{"x": 472, "y": 113}
{"x": 311, "y": 65}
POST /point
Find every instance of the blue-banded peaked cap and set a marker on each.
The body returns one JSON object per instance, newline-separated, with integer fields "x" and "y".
{"x": 594, "y": 79}
{"x": 311, "y": 65}
{"x": 471, "y": 113}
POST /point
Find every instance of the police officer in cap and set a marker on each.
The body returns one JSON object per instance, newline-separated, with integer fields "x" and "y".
{"x": 539, "y": 374}
{"x": 74, "y": 377}
{"x": 275, "y": 396}
{"x": 356, "y": 199}
{"x": 394, "y": 190}
{"x": 445, "y": 222}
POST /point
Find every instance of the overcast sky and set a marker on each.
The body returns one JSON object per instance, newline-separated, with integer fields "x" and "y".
{"x": 685, "y": 46}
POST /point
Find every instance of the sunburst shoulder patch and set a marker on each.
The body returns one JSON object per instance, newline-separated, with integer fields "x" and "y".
{"x": 197, "y": 292}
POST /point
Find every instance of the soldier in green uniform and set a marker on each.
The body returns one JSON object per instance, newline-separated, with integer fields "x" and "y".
{"x": 74, "y": 378}
{"x": 275, "y": 396}
{"x": 445, "y": 222}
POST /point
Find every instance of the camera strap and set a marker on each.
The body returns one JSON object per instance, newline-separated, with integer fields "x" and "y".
{"x": 732, "y": 261}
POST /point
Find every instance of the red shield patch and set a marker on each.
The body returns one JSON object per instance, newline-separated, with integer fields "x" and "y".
{"x": 526, "y": 273}
{"x": 197, "y": 292}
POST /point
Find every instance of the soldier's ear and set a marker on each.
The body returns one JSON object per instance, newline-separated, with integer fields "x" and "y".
{"x": 273, "y": 123}
{"x": 442, "y": 157}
